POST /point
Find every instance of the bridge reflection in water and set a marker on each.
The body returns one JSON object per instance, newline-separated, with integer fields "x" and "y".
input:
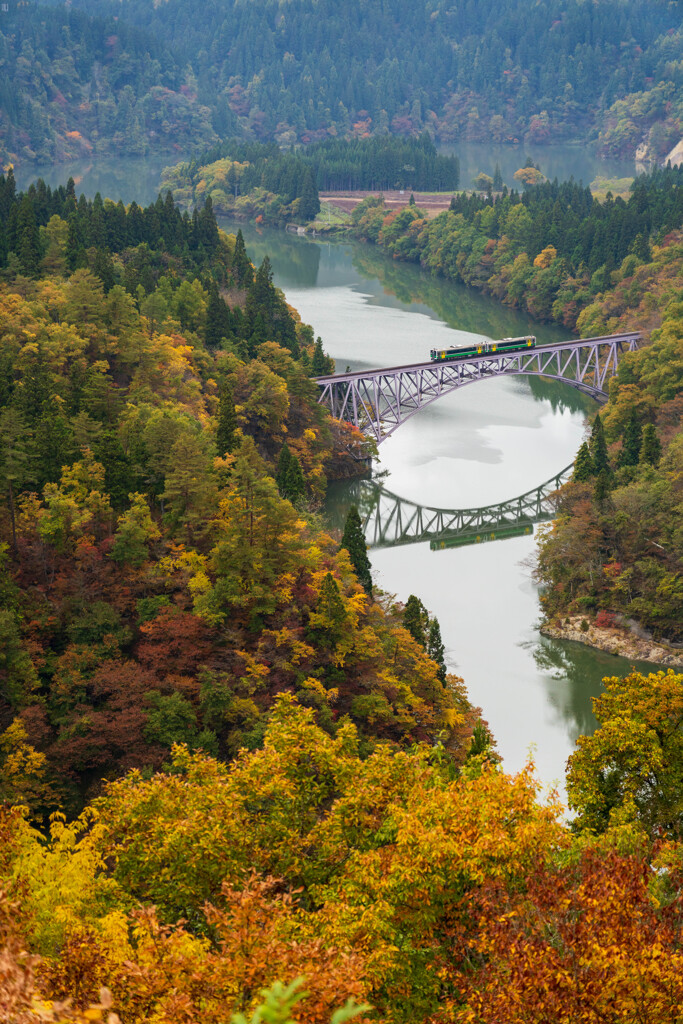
{"x": 390, "y": 521}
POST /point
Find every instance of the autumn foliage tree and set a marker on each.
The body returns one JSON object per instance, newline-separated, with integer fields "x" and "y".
{"x": 586, "y": 943}
{"x": 631, "y": 769}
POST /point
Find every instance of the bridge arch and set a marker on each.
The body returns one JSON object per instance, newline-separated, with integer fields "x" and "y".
{"x": 380, "y": 401}
{"x": 390, "y": 521}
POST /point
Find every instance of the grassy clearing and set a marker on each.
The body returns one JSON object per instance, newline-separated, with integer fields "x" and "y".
{"x": 617, "y": 186}
{"x": 330, "y": 216}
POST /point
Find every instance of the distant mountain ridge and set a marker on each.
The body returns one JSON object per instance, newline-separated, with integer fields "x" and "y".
{"x": 498, "y": 70}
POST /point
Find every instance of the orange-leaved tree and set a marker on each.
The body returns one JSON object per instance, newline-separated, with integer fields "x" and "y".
{"x": 585, "y": 942}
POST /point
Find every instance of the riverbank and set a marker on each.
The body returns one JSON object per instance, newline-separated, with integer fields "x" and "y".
{"x": 432, "y": 203}
{"x": 618, "y": 640}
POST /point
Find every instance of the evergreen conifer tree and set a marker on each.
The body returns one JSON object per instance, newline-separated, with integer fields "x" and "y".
{"x": 630, "y": 449}
{"x": 217, "y": 320}
{"x": 598, "y": 448}
{"x": 241, "y": 262}
{"x": 119, "y": 477}
{"x": 283, "y": 468}
{"x": 601, "y": 489}
{"x": 295, "y": 483}
{"x": 416, "y": 620}
{"x": 651, "y": 448}
{"x": 497, "y": 179}
{"x": 28, "y": 239}
{"x": 227, "y": 420}
{"x": 310, "y": 201}
{"x": 74, "y": 250}
{"x": 14, "y": 460}
{"x": 320, "y": 364}
{"x": 640, "y": 247}
{"x": 481, "y": 742}
{"x": 289, "y": 476}
{"x": 436, "y": 649}
{"x": 583, "y": 467}
{"x": 354, "y": 542}
{"x": 103, "y": 267}
{"x": 331, "y": 606}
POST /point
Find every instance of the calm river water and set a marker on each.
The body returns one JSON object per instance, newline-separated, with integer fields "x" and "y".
{"x": 484, "y": 444}
{"x": 487, "y": 443}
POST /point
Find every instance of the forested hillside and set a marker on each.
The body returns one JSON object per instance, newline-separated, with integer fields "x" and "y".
{"x": 155, "y": 74}
{"x": 615, "y": 549}
{"x": 258, "y": 181}
{"x": 598, "y": 268}
{"x": 161, "y": 449}
{"x": 72, "y": 85}
{"x": 237, "y": 784}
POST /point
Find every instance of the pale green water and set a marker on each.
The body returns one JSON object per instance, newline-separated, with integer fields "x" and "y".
{"x": 133, "y": 178}
{"x": 487, "y": 443}
{"x": 138, "y": 177}
{"x": 560, "y": 161}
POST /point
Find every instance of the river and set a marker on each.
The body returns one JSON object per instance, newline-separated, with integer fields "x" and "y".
{"x": 138, "y": 177}
{"x": 485, "y": 444}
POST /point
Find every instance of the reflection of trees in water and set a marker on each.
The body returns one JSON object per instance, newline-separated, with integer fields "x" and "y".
{"x": 560, "y": 396}
{"x": 296, "y": 259}
{"x": 127, "y": 179}
{"x": 574, "y": 674}
{"x": 468, "y": 310}
{"x": 463, "y": 308}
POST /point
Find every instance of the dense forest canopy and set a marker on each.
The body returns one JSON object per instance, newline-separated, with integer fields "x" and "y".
{"x": 598, "y": 268}
{"x": 258, "y": 180}
{"x": 238, "y": 784}
{"x": 71, "y": 85}
{"x": 277, "y": 778}
{"x": 312, "y": 70}
{"x": 161, "y": 455}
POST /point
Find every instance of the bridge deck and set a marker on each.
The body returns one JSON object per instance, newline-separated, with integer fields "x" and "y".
{"x": 380, "y": 400}
{"x": 338, "y": 378}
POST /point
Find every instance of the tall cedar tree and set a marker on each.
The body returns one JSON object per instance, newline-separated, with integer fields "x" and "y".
{"x": 633, "y": 434}
{"x": 583, "y": 467}
{"x": 321, "y": 363}
{"x": 651, "y": 448}
{"x": 354, "y": 542}
{"x": 436, "y": 649}
{"x": 227, "y": 419}
{"x": 331, "y": 606}
{"x": 28, "y": 239}
{"x": 310, "y": 202}
{"x": 602, "y": 487}
{"x": 244, "y": 271}
{"x": 14, "y": 460}
{"x": 416, "y": 620}
{"x": 217, "y": 320}
{"x": 598, "y": 448}
{"x": 289, "y": 476}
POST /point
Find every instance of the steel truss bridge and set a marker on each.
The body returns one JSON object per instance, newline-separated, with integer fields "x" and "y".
{"x": 379, "y": 401}
{"x": 389, "y": 521}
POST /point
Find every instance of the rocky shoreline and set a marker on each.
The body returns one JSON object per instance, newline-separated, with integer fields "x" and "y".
{"x": 618, "y": 640}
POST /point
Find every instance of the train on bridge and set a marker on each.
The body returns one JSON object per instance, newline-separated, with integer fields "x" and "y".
{"x": 481, "y": 348}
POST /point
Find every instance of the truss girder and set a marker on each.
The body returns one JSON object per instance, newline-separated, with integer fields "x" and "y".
{"x": 379, "y": 401}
